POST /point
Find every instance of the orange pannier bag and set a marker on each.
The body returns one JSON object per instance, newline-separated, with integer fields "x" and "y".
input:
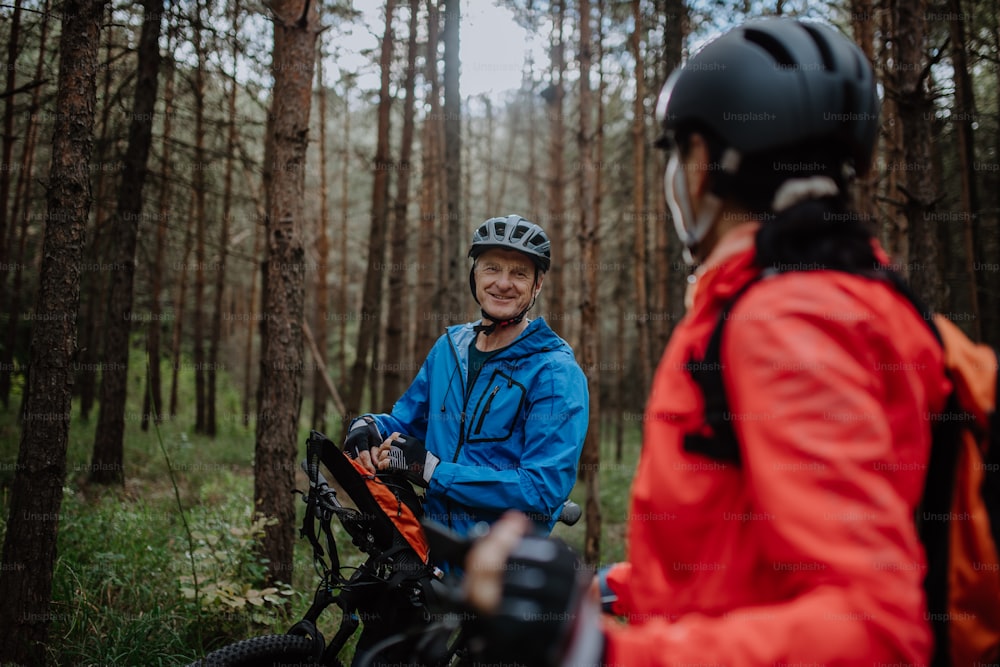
{"x": 961, "y": 510}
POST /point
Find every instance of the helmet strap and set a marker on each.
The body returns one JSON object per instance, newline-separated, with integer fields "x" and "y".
{"x": 692, "y": 229}
{"x": 497, "y": 323}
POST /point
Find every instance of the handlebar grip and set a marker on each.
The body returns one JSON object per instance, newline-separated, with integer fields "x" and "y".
{"x": 571, "y": 513}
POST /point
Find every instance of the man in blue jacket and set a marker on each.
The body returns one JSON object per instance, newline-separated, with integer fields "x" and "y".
{"x": 496, "y": 417}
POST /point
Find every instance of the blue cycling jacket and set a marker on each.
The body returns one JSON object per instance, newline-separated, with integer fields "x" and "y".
{"x": 511, "y": 441}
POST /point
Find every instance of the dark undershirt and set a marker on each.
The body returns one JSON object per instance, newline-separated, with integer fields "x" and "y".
{"x": 476, "y": 360}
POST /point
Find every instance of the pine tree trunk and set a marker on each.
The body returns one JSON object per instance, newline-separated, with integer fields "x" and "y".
{"x": 153, "y": 396}
{"x": 293, "y": 59}
{"x": 668, "y": 268}
{"x": 916, "y": 111}
{"x": 180, "y": 304}
{"x": 962, "y": 116}
{"x": 22, "y": 204}
{"x": 320, "y": 392}
{"x": 252, "y": 313}
{"x": 590, "y": 331}
{"x": 212, "y": 375}
{"x": 7, "y": 146}
{"x": 639, "y": 264}
{"x": 29, "y": 550}
{"x": 455, "y": 225}
{"x": 107, "y": 464}
{"x": 393, "y": 379}
{"x": 345, "y": 207}
{"x": 372, "y": 297}
{"x": 198, "y": 186}
{"x": 94, "y": 286}
{"x": 554, "y": 98}
{"x": 428, "y": 245}
{"x": 863, "y": 26}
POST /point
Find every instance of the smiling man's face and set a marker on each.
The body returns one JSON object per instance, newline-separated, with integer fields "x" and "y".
{"x": 505, "y": 282}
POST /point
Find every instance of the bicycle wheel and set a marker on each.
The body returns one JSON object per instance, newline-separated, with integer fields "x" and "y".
{"x": 266, "y": 651}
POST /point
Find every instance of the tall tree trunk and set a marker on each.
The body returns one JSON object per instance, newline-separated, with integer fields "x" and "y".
{"x": 212, "y": 375}
{"x": 22, "y": 204}
{"x": 639, "y": 264}
{"x": 94, "y": 286}
{"x": 963, "y": 113}
{"x": 863, "y": 26}
{"x": 345, "y": 207}
{"x": 252, "y": 309}
{"x": 372, "y": 298}
{"x": 428, "y": 244}
{"x": 916, "y": 109}
{"x": 669, "y": 261}
{"x": 107, "y": 464}
{"x": 590, "y": 331}
{"x": 554, "y": 97}
{"x": 7, "y": 146}
{"x": 393, "y": 379}
{"x": 153, "y": 396}
{"x": 179, "y": 308}
{"x": 198, "y": 187}
{"x": 296, "y": 27}
{"x": 320, "y": 392}
{"x": 455, "y": 232}
{"x": 6, "y": 169}
{"x": 29, "y": 550}
{"x": 894, "y": 226}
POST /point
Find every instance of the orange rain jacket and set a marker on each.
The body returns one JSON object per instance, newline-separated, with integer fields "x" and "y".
{"x": 807, "y": 554}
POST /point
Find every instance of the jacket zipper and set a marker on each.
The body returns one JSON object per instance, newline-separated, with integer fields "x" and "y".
{"x": 482, "y": 415}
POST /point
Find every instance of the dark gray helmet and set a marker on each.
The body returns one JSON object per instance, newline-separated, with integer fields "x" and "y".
{"x": 513, "y": 233}
{"x": 774, "y": 84}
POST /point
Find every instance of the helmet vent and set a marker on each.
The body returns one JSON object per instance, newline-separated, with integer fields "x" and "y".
{"x": 824, "y": 48}
{"x": 518, "y": 233}
{"x": 775, "y": 48}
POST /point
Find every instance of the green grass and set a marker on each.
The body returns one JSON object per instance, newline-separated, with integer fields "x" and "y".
{"x": 123, "y": 553}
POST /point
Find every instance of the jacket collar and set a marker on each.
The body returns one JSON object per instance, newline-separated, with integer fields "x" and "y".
{"x": 536, "y": 337}
{"x": 727, "y": 268}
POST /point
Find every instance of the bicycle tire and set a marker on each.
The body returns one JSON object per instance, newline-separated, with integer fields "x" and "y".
{"x": 266, "y": 651}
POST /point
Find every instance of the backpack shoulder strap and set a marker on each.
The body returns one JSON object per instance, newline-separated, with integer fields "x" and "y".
{"x": 720, "y": 443}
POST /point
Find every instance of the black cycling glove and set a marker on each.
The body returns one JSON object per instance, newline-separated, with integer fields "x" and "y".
{"x": 409, "y": 456}
{"x": 545, "y": 618}
{"x": 362, "y": 436}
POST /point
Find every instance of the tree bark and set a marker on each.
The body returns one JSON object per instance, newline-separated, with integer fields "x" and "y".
{"x": 554, "y": 97}
{"x": 7, "y": 150}
{"x": 345, "y": 207}
{"x": 212, "y": 374}
{"x": 393, "y": 378}
{"x": 639, "y": 264}
{"x": 372, "y": 297}
{"x": 22, "y": 204}
{"x": 916, "y": 111}
{"x": 153, "y": 396}
{"x": 320, "y": 392}
{"x": 198, "y": 187}
{"x": 668, "y": 268}
{"x": 428, "y": 245}
{"x": 590, "y": 331}
{"x": 107, "y": 464}
{"x": 94, "y": 286}
{"x": 29, "y": 550}
{"x": 962, "y": 116}
{"x": 454, "y": 233}
{"x": 863, "y": 26}
{"x": 296, "y": 27}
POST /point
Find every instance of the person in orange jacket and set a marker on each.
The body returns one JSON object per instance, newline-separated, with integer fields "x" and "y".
{"x": 802, "y": 548}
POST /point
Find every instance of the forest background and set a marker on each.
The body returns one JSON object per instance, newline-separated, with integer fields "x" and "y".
{"x": 223, "y": 224}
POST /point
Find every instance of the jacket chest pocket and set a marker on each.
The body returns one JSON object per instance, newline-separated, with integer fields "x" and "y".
{"x": 497, "y": 409}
